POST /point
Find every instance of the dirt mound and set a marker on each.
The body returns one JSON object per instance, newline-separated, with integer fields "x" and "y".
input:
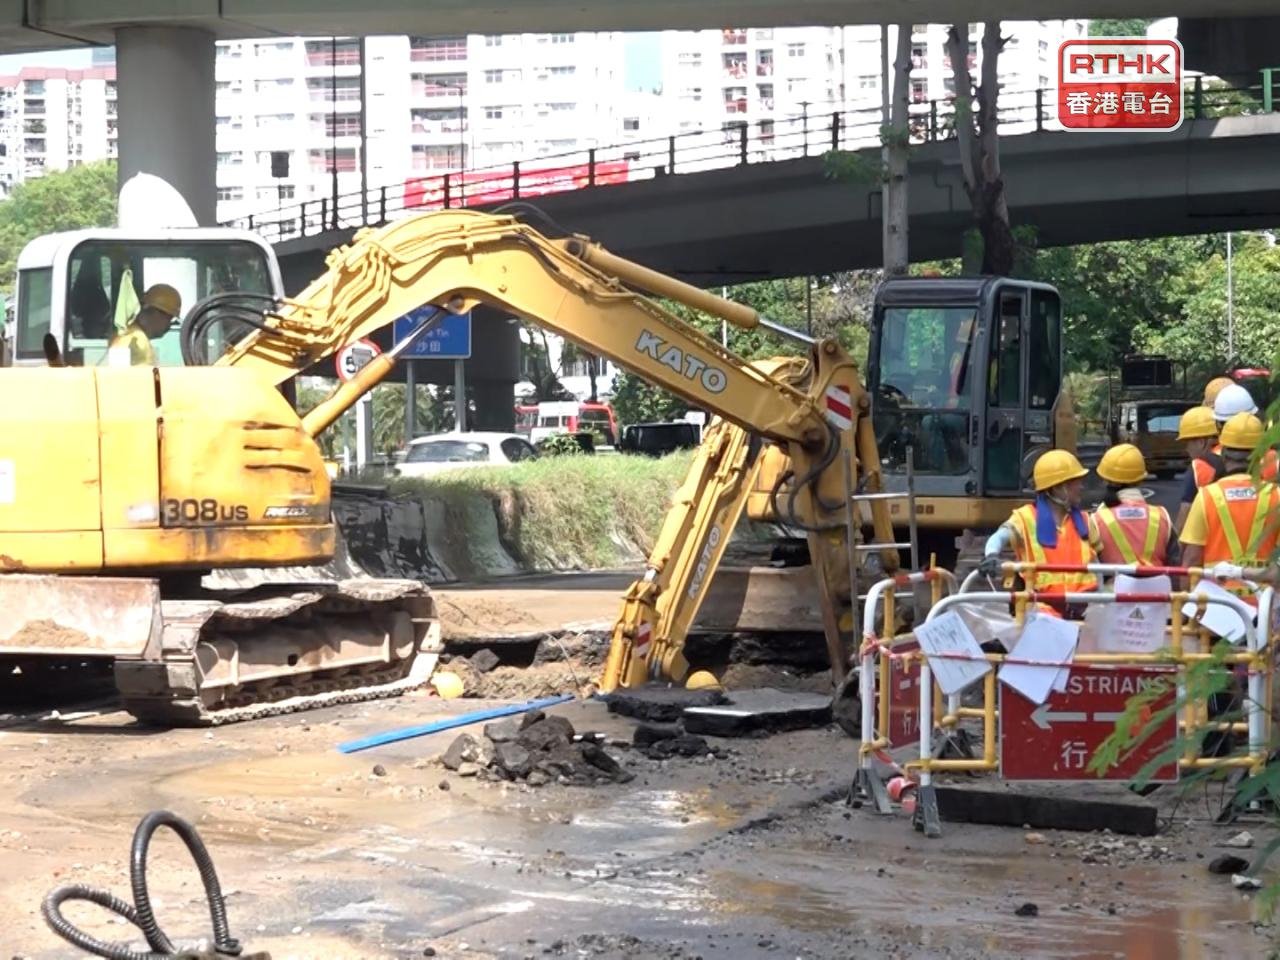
{"x": 49, "y": 635}
{"x": 537, "y": 750}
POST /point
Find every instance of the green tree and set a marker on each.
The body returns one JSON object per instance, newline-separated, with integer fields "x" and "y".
{"x": 84, "y": 196}
{"x": 1131, "y": 27}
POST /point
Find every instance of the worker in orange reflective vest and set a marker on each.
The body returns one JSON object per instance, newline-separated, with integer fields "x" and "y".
{"x": 1233, "y": 520}
{"x": 1199, "y": 431}
{"x": 1053, "y": 530}
{"x": 1130, "y": 529}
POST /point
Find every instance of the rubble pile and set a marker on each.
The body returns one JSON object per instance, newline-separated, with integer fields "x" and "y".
{"x": 535, "y": 749}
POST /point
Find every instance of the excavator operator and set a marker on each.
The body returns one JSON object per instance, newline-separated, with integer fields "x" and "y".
{"x": 161, "y": 305}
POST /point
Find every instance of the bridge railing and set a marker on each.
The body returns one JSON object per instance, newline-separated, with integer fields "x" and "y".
{"x": 738, "y": 142}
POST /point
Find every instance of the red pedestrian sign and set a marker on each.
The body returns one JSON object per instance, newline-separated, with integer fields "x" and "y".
{"x": 1120, "y": 83}
{"x": 1056, "y": 740}
{"x": 904, "y": 697}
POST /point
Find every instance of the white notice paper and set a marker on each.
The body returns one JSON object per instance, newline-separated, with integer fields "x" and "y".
{"x": 1045, "y": 640}
{"x": 1219, "y": 619}
{"x": 8, "y": 482}
{"x": 945, "y": 638}
{"x": 1136, "y": 627}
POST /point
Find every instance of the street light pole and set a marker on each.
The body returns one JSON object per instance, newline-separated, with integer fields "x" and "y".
{"x": 462, "y": 143}
{"x": 1231, "y": 332}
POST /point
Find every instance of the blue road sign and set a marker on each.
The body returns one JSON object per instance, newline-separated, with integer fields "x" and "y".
{"x": 449, "y": 339}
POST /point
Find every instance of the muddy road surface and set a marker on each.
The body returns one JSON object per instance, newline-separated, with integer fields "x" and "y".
{"x": 387, "y": 854}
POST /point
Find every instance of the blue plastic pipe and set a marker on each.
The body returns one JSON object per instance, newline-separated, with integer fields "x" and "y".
{"x": 466, "y": 719}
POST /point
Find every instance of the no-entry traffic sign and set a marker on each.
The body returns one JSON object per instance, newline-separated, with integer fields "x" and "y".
{"x": 1056, "y": 739}
{"x": 904, "y": 697}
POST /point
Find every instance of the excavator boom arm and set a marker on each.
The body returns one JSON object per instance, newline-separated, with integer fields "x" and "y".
{"x": 815, "y": 408}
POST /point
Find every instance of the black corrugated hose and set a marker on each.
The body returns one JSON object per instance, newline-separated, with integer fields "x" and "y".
{"x": 139, "y": 913}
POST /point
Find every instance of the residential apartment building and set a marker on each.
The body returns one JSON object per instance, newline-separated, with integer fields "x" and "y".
{"x": 53, "y": 118}
{"x": 435, "y": 104}
{"x": 720, "y": 79}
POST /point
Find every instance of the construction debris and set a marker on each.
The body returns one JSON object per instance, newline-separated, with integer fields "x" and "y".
{"x": 538, "y": 750}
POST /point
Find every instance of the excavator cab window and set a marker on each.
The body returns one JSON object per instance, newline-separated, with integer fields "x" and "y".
{"x": 34, "y": 314}
{"x": 107, "y": 278}
{"x": 1005, "y": 407}
{"x": 923, "y": 391}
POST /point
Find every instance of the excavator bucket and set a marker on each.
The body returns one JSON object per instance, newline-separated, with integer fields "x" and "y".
{"x": 44, "y": 616}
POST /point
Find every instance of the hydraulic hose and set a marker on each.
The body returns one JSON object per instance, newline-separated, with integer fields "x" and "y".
{"x": 239, "y": 310}
{"x": 140, "y": 913}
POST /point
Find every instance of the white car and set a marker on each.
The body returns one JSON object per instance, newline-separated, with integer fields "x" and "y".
{"x": 441, "y": 452}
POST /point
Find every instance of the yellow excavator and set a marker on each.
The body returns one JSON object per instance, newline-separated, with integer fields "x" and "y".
{"x": 140, "y": 507}
{"x": 964, "y": 392}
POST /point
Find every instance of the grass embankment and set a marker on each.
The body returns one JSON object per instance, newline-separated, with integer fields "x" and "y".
{"x": 559, "y": 513}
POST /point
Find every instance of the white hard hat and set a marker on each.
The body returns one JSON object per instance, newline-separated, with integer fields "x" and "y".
{"x": 1232, "y": 400}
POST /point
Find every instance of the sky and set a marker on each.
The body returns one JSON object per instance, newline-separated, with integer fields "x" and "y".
{"x": 73, "y": 59}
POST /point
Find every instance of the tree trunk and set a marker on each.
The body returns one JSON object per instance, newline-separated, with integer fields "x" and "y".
{"x": 978, "y": 137}
{"x": 593, "y": 365}
{"x": 897, "y": 145}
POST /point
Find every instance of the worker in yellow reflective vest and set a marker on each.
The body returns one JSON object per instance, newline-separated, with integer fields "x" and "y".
{"x": 1234, "y": 520}
{"x": 1131, "y": 530}
{"x": 1053, "y": 530}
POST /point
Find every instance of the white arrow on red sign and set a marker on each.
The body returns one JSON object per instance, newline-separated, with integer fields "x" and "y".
{"x": 1044, "y": 718}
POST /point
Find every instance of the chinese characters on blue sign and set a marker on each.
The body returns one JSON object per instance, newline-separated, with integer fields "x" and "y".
{"x": 448, "y": 339}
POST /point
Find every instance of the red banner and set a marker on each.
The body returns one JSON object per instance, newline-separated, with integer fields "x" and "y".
{"x": 479, "y": 187}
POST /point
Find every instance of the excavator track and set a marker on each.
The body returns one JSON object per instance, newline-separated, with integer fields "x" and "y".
{"x": 283, "y": 648}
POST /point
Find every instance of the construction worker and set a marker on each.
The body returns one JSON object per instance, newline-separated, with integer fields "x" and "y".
{"x": 1131, "y": 530}
{"x": 1053, "y": 530}
{"x": 1236, "y": 399}
{"x": 161, "y": 304}
{"x": 1199, "y": 431}
{"x": 1233, "y": 519}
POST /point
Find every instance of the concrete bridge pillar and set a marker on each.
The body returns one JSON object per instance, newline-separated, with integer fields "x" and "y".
{"x": 165, "y": 78}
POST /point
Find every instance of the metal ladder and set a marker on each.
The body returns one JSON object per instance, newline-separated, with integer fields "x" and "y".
{"x": 853, "y": 519}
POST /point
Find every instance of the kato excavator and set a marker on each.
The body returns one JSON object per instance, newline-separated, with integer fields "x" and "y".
{"x": 964, "y": 381}
{"x": 140, "y": 508}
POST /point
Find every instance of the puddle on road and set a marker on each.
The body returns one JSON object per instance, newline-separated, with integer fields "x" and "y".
{"x": 809, "y": 889}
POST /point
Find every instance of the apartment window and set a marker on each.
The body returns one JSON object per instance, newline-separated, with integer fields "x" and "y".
{"x": 282, "y": 192}
{"x": 689, "y": 59}
{"x": 735, "y": 64}
{"x": 918, "y": 92}
{"x": 795, "y": 49}
{"x": 230, "y": 51}
{"x": 222, "y": 86}
{"x": 562, "y": 38}
{"x": 1044, "y": 47}
{"x": 797, "y": 85}
{"x": 766, "y": 131}
{"x": 439, "y": 85}
{"x": 327, "y": 88}
{"x": 493, "y": 40}
{"x": 230, "y": 158}
{"x": 230, "y": 193}
{"x": 562, "y": 71}
{"x": 493, "y": 113}
{"x": 34, "y": 88}
{"x": 325, "y": 53}
{"x": 562, "y": 107}
{"x": 493, "y": 76}
{"x": 273, "y": 49}
{"x": 341, "y": 126}
{"x": 868, "y": 81}
{"x": 343, "y": 160}
{"x": 764, "y": 63}
{"x": 631, "y": 124}
{"x": 439, "y": 48}
{"x": 111, "y": 88}
{"x": 436, "y": 156}
{"x": 691, "y": 93}
{"x": 558, "y": 146}
{"x": 632, "y": 155}
{"x": 502, "y": 146}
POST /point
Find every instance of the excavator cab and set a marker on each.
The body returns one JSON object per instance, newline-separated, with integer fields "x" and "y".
{"x": 964, "y": 376}
{"x": 75, "y": 288}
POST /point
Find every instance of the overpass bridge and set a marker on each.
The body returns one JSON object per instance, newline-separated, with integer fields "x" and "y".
{"x": 756, "y": 203}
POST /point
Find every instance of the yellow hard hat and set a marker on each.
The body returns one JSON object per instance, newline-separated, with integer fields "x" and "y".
{"x": 1197, "y": 423}
{"x": 1055, "y": 467}
{"x": 1241, "y": 432}
{"x": 702, "y": 680}
{"x": 1213, "y": 388}
{"x": 164, "y": 298}
{"x": 1123, "y": 463}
